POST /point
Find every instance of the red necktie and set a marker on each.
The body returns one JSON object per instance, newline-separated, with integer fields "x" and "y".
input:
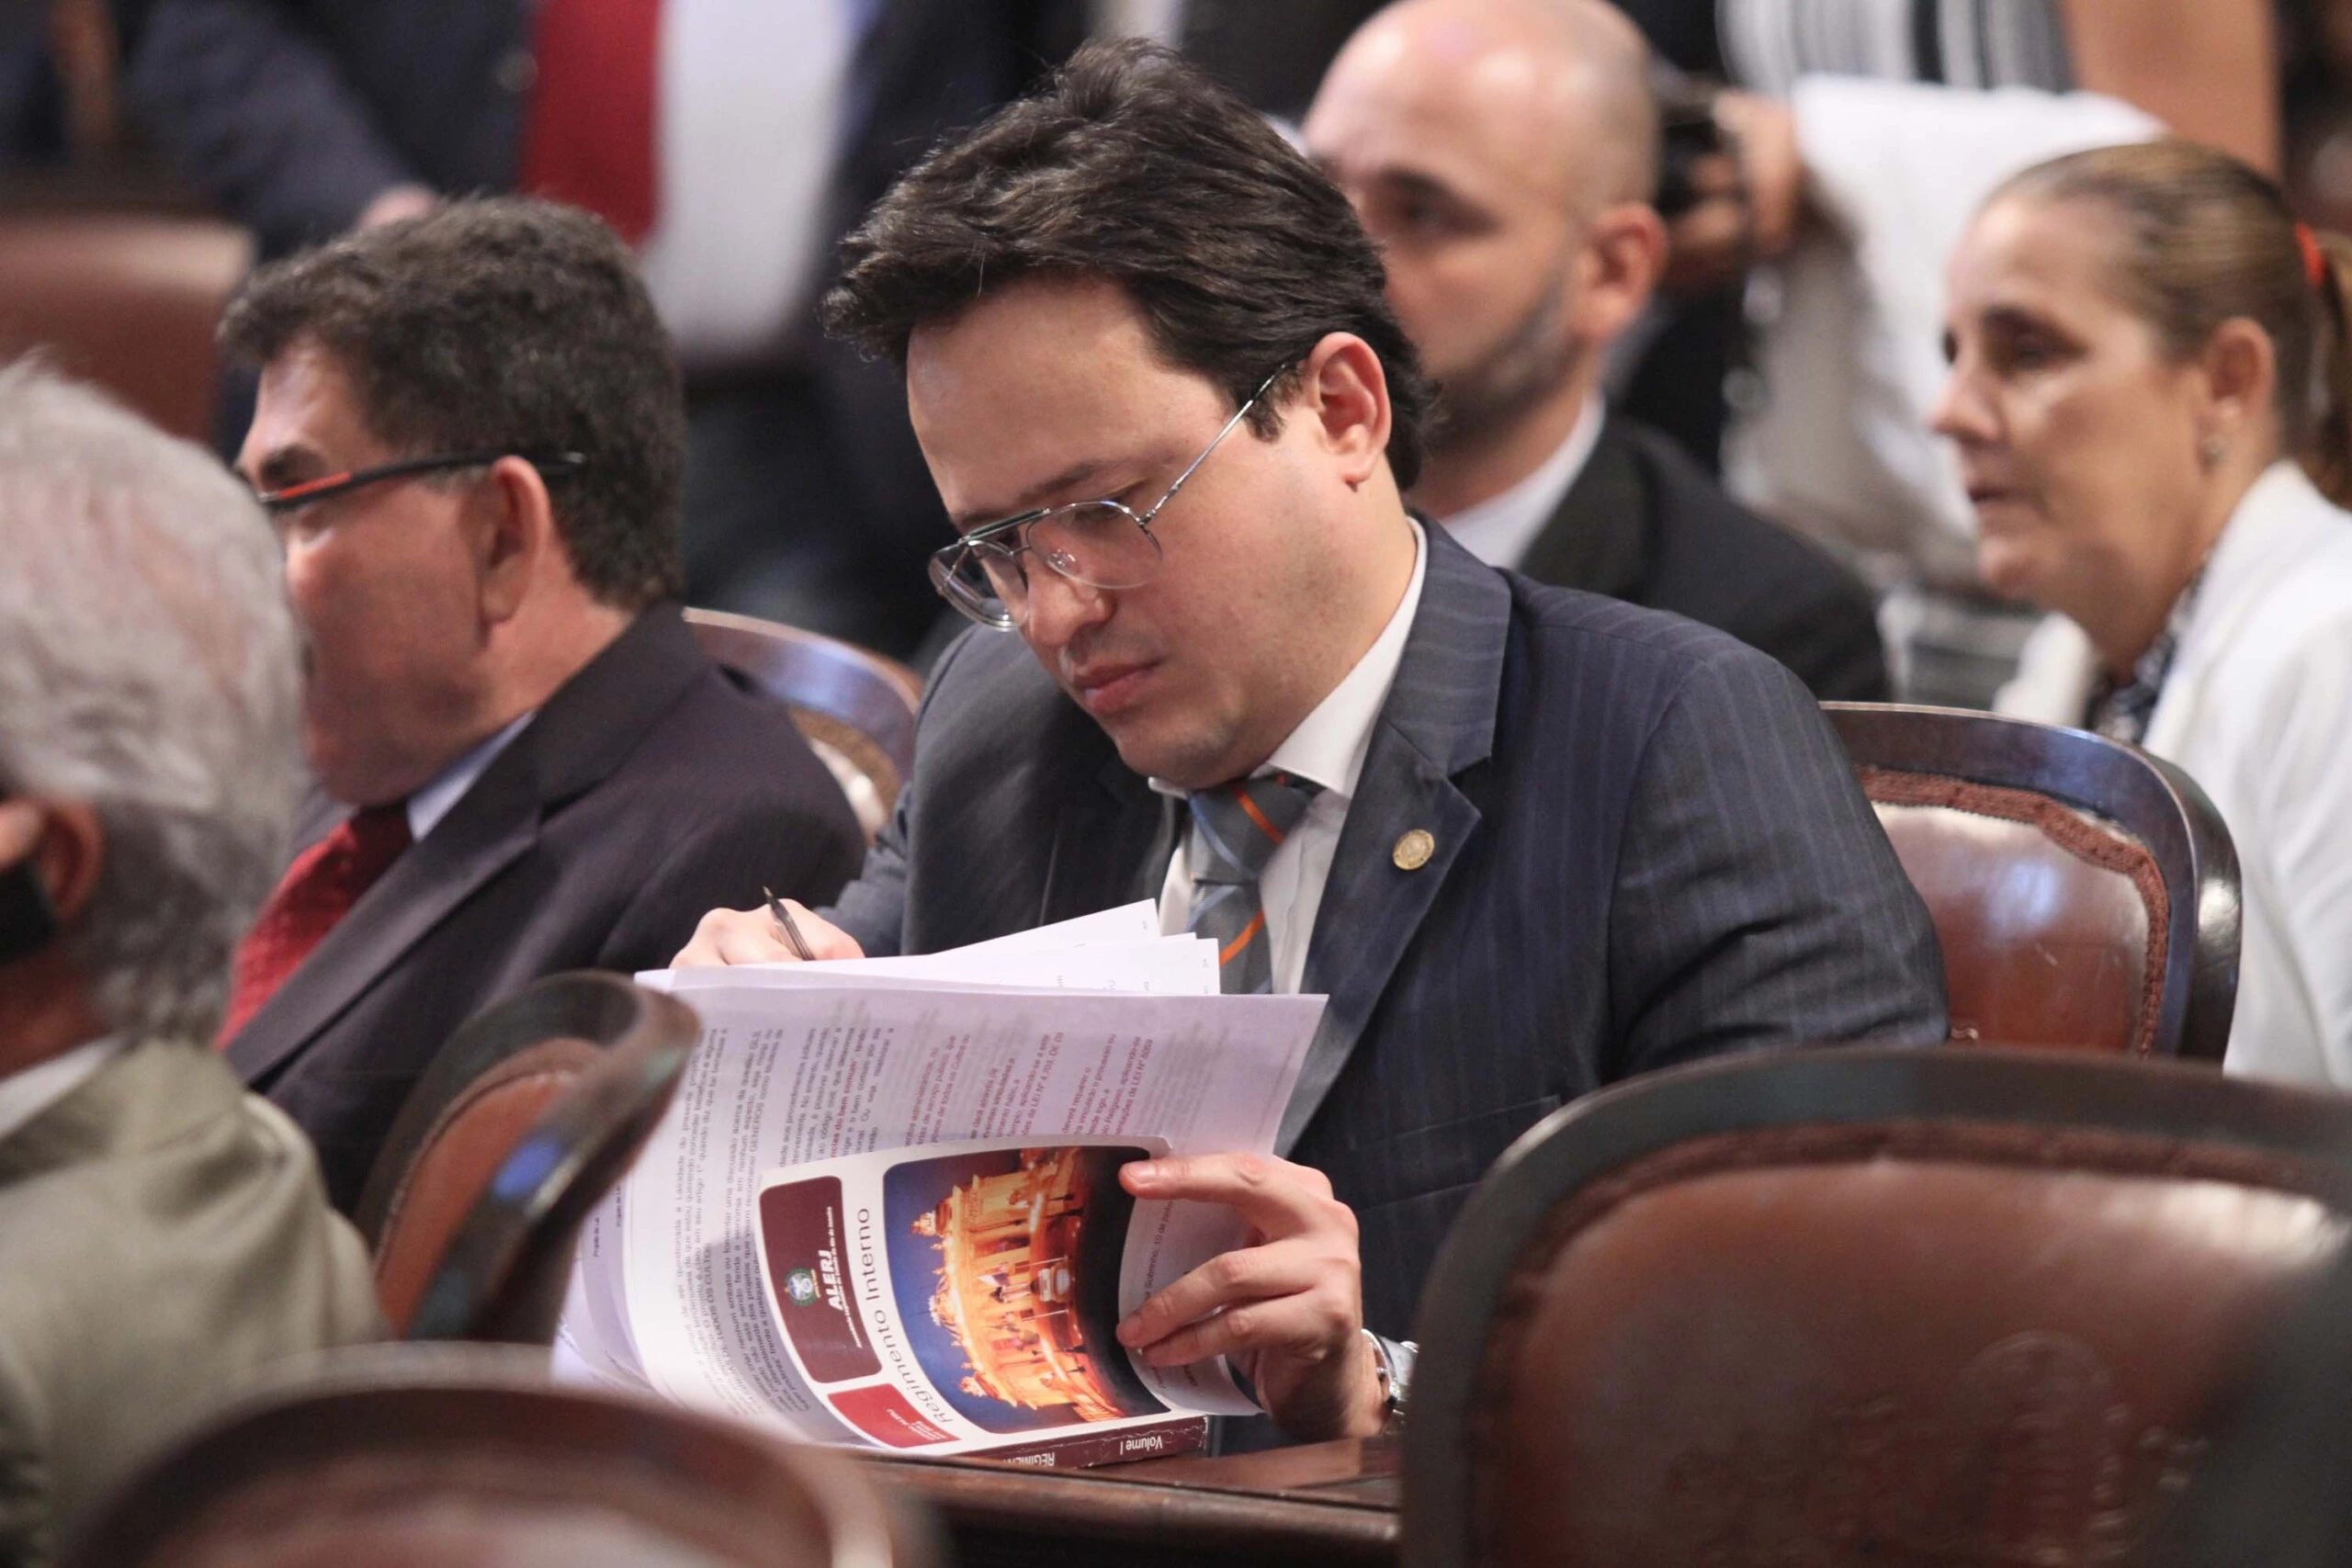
{"x": 317, "y": 890}
{"x": 589, "y": 137}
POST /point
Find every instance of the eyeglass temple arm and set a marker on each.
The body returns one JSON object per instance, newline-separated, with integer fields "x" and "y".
{"x": 1239, "y": 415}
{"x": 567, "y": 461}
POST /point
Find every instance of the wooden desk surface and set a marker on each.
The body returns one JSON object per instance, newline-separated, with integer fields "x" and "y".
{"x": 1323, "y": 1503}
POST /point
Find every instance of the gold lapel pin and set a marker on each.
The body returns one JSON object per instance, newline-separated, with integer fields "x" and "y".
{"x": 1413, "y": 850}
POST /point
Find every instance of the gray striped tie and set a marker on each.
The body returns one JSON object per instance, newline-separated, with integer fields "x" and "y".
{"x": 1235, "y": 829}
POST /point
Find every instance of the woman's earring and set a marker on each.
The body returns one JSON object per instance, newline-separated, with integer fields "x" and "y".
{"x": 2210, "y": 451}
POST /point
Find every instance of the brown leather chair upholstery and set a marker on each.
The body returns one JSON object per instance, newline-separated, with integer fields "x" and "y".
{"x": 127, "y": 300}
{"x": 1860, "y": 1306}
{"x": 524, "y": 1120}
{"x": 2086, "y": 892}
{"x": 436, "y": 1460}
{"x": 857, "y": 709}
{"x": 2272, "y": 1489}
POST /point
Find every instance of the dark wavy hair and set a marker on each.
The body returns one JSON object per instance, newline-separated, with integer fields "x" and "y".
{"x": 508, "y": 324}
{"x": 1129, "y": 165}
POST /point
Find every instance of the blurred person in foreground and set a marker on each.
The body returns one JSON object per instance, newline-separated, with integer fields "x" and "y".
{"x": 166, "y": 1233}
{"x": 2151, "y": 393}
{"x": 1528, "y": 840}
{"x": 469, "y": 438}
{"x": 1502, "y": 153}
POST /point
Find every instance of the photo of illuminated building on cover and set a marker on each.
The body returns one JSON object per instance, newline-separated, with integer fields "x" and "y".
{"x": 1006, "y": 1270}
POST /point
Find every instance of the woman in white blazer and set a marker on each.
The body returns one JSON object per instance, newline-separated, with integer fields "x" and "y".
{"x": 2150, "y": 391}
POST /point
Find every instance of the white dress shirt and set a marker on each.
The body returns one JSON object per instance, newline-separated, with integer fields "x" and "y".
{"x": 25, "y": 1095}
{"x": 751, "y": 100}
{"x": 433, "y": 801}
{"x": 1501, "y": 529}
{"x": 1327, "y": 747}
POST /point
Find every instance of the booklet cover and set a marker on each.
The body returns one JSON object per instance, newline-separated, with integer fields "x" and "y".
{"x": 965, "y": 1296}
{"x": 883, "y": 1209}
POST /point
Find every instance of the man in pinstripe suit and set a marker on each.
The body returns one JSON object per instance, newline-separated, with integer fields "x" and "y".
{"x": 1528, "y": 842}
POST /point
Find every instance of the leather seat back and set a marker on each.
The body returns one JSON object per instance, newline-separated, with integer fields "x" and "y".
{"x": 1889, "y": 1345}
{"x": 436, "y": 1456}
{"x": 2084, "y": 892}
{"x": 453, "y": 1167}
{"x": 1861, "y": 1306}
{"x": 2052, "y": 921}
{"x": 855, "y": 708}
{"x": 129, "y": 301}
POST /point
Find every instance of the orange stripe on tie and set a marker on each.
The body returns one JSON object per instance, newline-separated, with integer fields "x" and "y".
{"x": 1258, "y": 816}
{"x": 1249, "y": 933}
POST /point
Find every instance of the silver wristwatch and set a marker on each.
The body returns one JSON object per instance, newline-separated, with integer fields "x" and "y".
{"x": 1392, "y": 1361}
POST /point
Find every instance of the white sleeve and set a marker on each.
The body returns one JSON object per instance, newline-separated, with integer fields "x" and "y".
{"x": 2295, "y": 980}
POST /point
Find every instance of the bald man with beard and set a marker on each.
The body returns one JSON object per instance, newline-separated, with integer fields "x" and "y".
{"x": 1501, "y": 152}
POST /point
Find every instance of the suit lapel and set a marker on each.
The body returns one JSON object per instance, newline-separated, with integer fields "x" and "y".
{"x": 583, "y": 733}
{"x": 1439, "y": 720}
{"x": 1598, "y": 539}
{"x": 1112, "y": 843}
{"x": 483, "y": 834}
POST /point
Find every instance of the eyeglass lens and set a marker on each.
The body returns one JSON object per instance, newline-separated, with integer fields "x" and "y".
{"x": 1098, "y": 543}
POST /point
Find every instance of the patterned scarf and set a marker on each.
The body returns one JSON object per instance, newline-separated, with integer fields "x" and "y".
{"x": 2120, "y": 710}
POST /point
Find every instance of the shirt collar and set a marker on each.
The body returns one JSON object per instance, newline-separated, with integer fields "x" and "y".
{"x": 434, "y": 801}
{"x": 1500, "y": 529}
{"x": 1328, "y": 746}
{"x": 25, "y": 1095}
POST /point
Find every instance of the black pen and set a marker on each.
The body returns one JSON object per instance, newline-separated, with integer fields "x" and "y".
{"x": 791, "y": 933}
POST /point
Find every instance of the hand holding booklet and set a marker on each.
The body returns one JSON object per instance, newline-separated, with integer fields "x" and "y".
{"x": 885, "y": 1207}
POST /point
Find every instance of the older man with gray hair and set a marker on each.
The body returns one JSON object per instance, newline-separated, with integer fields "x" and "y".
{"x": 166, "y": 1233}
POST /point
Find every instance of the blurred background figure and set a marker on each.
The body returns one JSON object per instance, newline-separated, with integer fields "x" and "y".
{"x": 2150, "y": 394}
{"x": 807, "y": 500}
{"x": 59, "y": 88}
{"x": 1503, "y": 154}
{"x": 1863, "y": 135}
{"x": 166, "y": 1233}
{"x": 731, "y": 141}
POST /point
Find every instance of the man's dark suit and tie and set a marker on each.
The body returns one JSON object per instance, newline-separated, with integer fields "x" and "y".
{"x": 549, "y": 772}
{"x": 1504, "y": 156}
{"x": 1554, "y": 840}
{"x": 1598, "y": 835}
{"x": 648, "y": 787}
{"x": 806, "y": 498}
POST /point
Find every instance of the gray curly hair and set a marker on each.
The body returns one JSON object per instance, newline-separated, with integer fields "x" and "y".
{"x": 147, "y": 669}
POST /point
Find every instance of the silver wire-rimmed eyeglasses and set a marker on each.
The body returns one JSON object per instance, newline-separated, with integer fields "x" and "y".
{"x": 1102, "y": 544}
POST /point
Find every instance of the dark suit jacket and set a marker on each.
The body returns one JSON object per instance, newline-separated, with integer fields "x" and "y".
{"x": 1643, "y": 524}
{"x": 1649, "y": 849}
{"x": 649, "y": 790}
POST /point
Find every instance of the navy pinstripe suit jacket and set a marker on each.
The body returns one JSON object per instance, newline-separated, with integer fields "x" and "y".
{"x": 1650, "y": 848}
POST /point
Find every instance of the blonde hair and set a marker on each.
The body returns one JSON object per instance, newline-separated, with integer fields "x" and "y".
{"x": 2204, "y": 239}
